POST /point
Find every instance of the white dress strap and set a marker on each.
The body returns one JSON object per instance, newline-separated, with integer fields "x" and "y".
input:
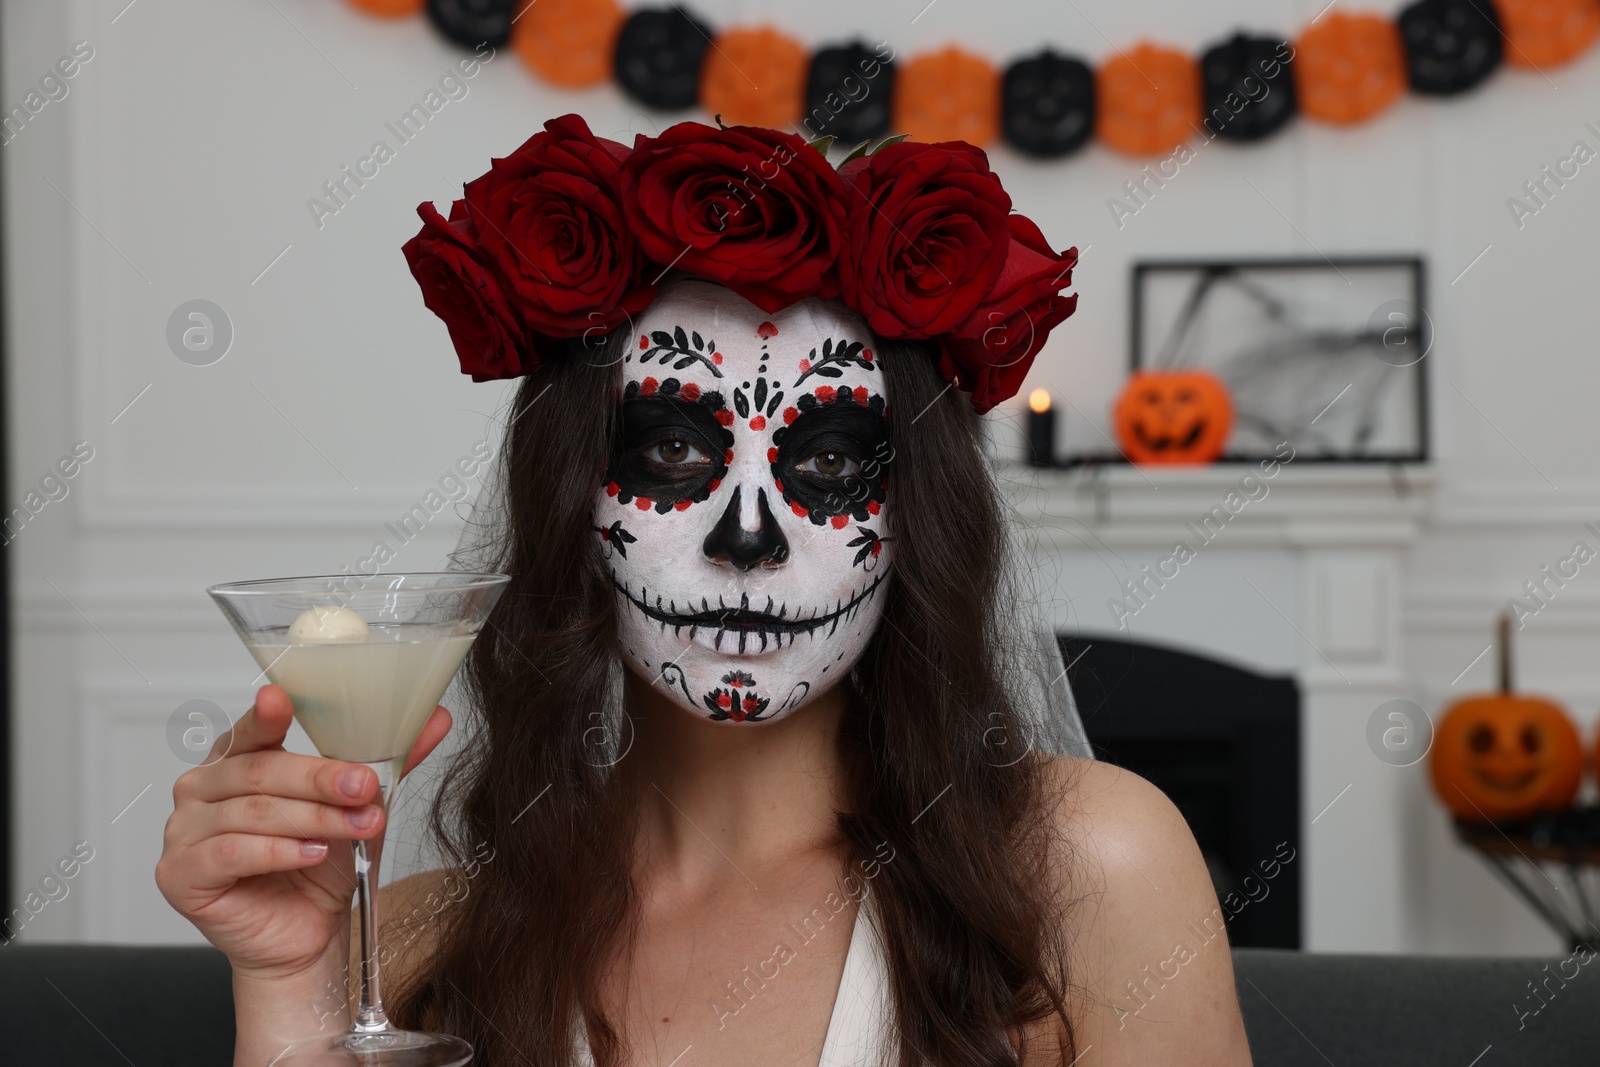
{"x": 858, "y": 1029}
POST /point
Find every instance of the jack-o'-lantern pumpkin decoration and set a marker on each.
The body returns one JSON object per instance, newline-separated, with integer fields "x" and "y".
{"x": 1349, "y": 68}
{"x": 1173, "y": 416}
{"x": 1502, "y": 756}
{"x": 568, "y": 42}
{"x": 1147, "y": 100}
{"x": 1547, "y": 33}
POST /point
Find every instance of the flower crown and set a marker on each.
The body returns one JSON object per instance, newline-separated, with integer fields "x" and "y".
{"x": 568, "y": 237}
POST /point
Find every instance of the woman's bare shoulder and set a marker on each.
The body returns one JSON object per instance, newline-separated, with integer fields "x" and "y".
{"x": 1146, "y": 936}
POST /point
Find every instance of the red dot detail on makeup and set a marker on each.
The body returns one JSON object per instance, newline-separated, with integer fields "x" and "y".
{"x": 716, "y": 357}
{"x": 805, "y": 366}
{"x": 766, "y": 331}
{"x": 644, "y": 342}
{"x": 860, "y": 393}
{"x": 712, "y": 488}
{"x": 877, "y": 546}
{"x": 866, "y": 354}
{"x": 758, "y": 423}
{"x": 772, "y": 455}
{"x": 873, "y": 507}
{"x": 648, "y": 387}
{"x": 612, "y": 489}
{"x": 643, "y": 503}
{"x": 727, "y": 457}
{"x": 779, "y": 484}
{"x": 826, "y": 393}
{"x": 682, "y": 505}
{"x": 689, "y": 391}
{"x": 798, "y": 510}
{"x": 725, "y": 417}
{"x": 840, "y": 521}
{"x": 789, "y": 415}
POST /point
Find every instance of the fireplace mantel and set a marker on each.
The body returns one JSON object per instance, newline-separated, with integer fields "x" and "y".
{"x": 1304, "y": 580}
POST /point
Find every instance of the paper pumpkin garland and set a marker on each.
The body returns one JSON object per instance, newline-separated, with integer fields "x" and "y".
{"x": 568, "y": 42}
{"x": 658, "y": 57}
{"x": 1147, "y": 100}
{"x": 470, "y": 23}
{"x": 948, "y": 95}
{"x": 1451, "y": 45}
{"x": 1047, "y": 104}
{"x": 1547, "y": 33}
{"x": 1349, "y": 68}
{"x": 848, "y": 90}
{"x": 1249, "y": 90}
{"x": 771, "y": 98}
{"x": 388, "y": 8}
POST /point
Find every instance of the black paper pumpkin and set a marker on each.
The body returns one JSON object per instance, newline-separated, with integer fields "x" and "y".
{"x": 1248, "y": 86}
{"x": 1451, "y": 45}
{"x": 1047, "y": 104}
{"x": 659, "y": 53}
{"x": 470, "y": 23}
{"x": 847, "y": 93}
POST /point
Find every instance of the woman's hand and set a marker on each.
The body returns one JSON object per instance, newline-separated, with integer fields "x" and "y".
{"x": 254, "y": 852}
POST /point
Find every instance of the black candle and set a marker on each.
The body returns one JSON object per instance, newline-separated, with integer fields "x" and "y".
{"x": 1041, "y": 430}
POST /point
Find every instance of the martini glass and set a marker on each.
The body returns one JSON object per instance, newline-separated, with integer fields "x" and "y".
{"x": 364, "y": 660}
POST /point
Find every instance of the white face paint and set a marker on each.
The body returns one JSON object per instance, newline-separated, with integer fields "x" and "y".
{"x": 744, "y": 513}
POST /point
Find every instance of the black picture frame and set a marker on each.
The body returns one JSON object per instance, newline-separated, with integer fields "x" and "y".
{"x": 1416, "y": 292}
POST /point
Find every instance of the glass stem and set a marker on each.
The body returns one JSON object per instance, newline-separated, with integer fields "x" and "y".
{"x": 369, "y": 1013}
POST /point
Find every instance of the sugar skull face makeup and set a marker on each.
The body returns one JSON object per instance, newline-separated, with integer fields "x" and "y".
{"x": 744, "y": 512}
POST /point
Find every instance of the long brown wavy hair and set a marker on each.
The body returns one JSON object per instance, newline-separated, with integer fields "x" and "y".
{"x": 970, "y": 909}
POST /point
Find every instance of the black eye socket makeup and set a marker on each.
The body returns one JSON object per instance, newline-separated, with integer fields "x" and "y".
{"x": 670, "y": 450}
{"x": 832, "y": 459}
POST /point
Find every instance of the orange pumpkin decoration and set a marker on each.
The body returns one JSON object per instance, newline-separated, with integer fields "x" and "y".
{"x": 1547, "y": 33}
{"x": 754, "y": 77}
{"x": 1501, "y": 756}
{"x": 568, "y": 42}
{"x": 388, "y": 8}
{"x": 1147, "y": 100}
{"x": 1173, "y": 416}
{"x": 1349, "y": 68}
{"x": 948, "y": 95}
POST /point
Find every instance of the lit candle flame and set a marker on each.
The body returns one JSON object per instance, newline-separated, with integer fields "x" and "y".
{"x": 1039, "y": 400}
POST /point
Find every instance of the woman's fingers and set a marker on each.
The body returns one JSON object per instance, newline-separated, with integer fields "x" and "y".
{"x": 264, "y": 726}
{"x": 433, "y": 731}
{"x": 223, "y": 860}
{"x": 282, "y": 817}
{"x": 285, "y": 774}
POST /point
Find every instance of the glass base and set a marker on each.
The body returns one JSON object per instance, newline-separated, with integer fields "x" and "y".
{"x": 384, "y": 1048}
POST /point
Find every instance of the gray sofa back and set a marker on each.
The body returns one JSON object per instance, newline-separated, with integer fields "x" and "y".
{"x": 100, "y": 1006}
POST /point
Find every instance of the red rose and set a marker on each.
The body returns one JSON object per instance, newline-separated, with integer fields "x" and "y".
{"x": 993, "y": 350}
{"x": 756, "y": 210}
{"x": 548, "y": 214}
{"x": 927, "y": 236}
{"x": 461, "y": 286}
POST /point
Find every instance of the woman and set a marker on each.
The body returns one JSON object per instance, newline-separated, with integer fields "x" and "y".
{"x": 750, "y": 780}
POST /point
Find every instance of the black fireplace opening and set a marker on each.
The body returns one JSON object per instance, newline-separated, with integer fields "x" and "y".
{"x": 1224, "y": 744}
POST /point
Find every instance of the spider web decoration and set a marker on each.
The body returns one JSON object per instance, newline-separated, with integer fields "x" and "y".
{"x": 1318, "y": 354}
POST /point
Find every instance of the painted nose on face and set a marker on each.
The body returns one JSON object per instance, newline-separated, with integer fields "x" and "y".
{"x": 744, "y": 548}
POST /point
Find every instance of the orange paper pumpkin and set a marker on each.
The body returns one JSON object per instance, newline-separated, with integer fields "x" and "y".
{"x": 388, "y": 8}
{"x": 948, "y": 95}
{"x": 754, "y": 77}
{"x": 1501, "y": 756}
{"x": 568, "y": 42}
{"x": 1175, "y": 416}
{"x": 1349, "y": 68}
{"x": 1147, "y": 100}
{"x": 1547, "y": 33}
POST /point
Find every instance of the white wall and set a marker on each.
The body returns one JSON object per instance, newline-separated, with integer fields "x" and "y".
{"x": 182, "y": 160}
